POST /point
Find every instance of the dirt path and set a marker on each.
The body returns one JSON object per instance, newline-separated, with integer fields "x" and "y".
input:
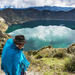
{"x": 1, "y": 72}
{"x": 27, "y": 73}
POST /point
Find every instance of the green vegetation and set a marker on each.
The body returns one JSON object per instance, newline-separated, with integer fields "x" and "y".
{"x": 52, "y": 61}
{"x": 70, "y": 65}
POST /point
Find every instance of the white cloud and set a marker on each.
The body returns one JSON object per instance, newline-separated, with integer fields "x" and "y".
{"x": 31, "y": 3}
{"x": 41, "y": 36}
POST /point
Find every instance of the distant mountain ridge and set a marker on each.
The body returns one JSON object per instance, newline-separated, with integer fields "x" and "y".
{"x": 54, "y": 8}
{"x": 51, "y": 8}
{"x": 15, "y": 16}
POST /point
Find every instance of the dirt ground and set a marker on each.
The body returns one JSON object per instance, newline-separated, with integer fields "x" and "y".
{"x": 27, "y": 73}
{"x": 1, "y": 72}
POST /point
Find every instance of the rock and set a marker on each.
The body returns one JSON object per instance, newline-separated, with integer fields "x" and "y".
{"x": 3, "y": 25}
{"x": 3, "y": 35}
{"x": 46, "y": 47}
{"x": 71, "y": 49}
{"x": 2, "y": 20}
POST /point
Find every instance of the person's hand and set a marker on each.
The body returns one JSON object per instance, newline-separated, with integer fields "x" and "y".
{"x": 2, "y": 68}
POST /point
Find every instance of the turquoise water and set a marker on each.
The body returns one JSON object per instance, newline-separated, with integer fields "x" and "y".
{"x": 31, "y": 24}
{"x": 38, "y": 34}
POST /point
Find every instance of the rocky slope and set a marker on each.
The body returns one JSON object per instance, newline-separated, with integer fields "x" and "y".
{"x": 13, "y": 16}
{"x": 52, "y": 61}
{"x": 3, "y": 36}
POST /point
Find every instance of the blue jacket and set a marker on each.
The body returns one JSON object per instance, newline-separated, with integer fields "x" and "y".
{"x": 13, "y": 59}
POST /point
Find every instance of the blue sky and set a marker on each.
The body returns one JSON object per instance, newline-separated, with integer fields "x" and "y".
{"x": 32, "y": 3}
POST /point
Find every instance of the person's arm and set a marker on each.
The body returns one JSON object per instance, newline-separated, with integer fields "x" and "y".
{"x": 25, "y": 61}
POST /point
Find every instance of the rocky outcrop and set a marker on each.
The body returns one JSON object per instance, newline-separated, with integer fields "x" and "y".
{"x": 3, "y": 36}
{"x": 3, "y": 25}
{"x": 71, "y": 49}
{"x": 15, "y": 16}
{"x": 49, "y": 51}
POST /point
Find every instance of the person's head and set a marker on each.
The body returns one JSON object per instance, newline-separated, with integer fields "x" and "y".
{"x": 19, "y": 41}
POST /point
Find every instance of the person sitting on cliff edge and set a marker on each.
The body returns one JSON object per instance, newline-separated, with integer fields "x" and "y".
{"x": 13, "y": 60}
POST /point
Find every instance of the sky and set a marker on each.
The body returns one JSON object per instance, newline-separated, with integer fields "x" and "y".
{"x": 34, "y": 3}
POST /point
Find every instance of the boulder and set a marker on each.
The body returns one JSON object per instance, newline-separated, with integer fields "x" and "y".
{"x": 71, "y": 49}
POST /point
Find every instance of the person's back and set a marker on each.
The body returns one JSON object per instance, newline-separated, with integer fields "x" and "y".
{"x": 13, "y": 59}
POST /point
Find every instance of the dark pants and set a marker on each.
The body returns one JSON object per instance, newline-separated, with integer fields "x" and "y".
{"x": 23, "y": 73}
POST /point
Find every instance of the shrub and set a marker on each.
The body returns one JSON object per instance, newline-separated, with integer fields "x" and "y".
{"x": 33, "y": 52}
{"x": 38, "y": 56}
{"x": 59, "y": 53}
{"x": 71, "y": 49}
{"x": 43, "y": 53}
{"x": 70, "y": 65}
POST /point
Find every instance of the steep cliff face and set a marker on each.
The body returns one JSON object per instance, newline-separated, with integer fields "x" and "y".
{"x": 3, "y": 25}
{"x": 3, "y": 36}
{"x": 14, "y": 16}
